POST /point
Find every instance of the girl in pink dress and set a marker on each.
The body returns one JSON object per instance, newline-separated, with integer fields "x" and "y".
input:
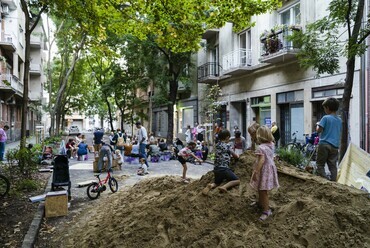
{"x": 264, "y": 177}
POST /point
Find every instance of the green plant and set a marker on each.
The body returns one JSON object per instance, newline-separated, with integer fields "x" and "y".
{"x": 212, "y": 156}
{"x": 52, "y": 140}
{"x": 292, "y": 156}
{"x": 27, "y": 185}
{"x": 26, "y": 162}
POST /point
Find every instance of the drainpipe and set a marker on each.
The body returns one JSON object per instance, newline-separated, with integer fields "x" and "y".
{"x": 363, "y": 95}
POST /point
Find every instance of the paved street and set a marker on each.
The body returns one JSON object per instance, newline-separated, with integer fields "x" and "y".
{"x": 81, "y": 171}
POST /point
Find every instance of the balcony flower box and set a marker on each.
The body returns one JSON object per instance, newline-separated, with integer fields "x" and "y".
{"x": 272, "y": 40}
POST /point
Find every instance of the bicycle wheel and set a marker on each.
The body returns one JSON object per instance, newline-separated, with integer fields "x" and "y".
{"x": 291, "y": 146}
{"x": 113, "y": 185}
{"x": 93, "y": 191}
{"x": 4, "y": 186}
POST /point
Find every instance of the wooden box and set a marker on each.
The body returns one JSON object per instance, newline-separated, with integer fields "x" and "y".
{"x": 56, "y": 204}
{"x": 95, "y": 165}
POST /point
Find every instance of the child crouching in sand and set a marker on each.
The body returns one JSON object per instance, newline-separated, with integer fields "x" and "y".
{"x": 264, "y": 177}
{"x": 221, "y": 169}
{"x": 183, "y": 155}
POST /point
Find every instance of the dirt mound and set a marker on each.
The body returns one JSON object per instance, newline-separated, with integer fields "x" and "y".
{"x": 162, "y": 212}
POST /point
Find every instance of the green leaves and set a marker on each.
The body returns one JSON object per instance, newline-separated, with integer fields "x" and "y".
{"x": 327, "y": 39}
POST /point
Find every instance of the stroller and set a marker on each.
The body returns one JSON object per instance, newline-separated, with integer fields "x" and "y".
{"x": 61, "y": 174}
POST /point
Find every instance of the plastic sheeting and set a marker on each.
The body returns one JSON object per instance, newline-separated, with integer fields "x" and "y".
{"x": 355, "y": 168}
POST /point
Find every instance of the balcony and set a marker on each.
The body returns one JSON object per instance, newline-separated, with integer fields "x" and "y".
{"x": 237, "y": 62}
{"x": 10, "y": 85}
{"x": 7, "y": 41}
{"x": 35, "y": 69}
{"x": 35, "y": 96}
{"x": 275, "y": 46}
{"x": 209, "y": 72}
{"x": 210, "y": 33}
{"x": 36, "y": 41}
{"x": 11, "y": 3}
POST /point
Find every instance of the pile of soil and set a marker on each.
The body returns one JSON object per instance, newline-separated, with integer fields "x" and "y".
{"x": 162, "y": 212}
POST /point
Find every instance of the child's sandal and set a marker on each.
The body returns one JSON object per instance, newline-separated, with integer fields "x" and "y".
{"x": 265, "y": 215}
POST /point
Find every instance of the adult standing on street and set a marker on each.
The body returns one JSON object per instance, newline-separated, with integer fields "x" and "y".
{"x": 142, "y": 138}
{"x": 275, "y": 132}
{"x": 105, "y": 151}
{"x": 3, "y": 139}
{"x": 98, "y": 136}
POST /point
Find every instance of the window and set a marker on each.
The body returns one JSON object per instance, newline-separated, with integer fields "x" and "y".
{"x": 291, "y": 15}
{"x": 260, "y": 101}
{"x": 292, "y": 96}
{"x": 245, "y": 47}
{"x": 327, "y": 92}
{"x": 187, "y": 117}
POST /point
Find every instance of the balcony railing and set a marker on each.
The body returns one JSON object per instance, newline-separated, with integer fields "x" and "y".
{"x": 210, "y": 70}
{"x": 276, "y": 42}
{"x": 35, "y": 68}
{"x": 11, "y": 3}
{"x": 36, "y": 41}
{"x": 8, "y": 41}
{"x": 238, "y": 58}
{"x": 11, "y": 81}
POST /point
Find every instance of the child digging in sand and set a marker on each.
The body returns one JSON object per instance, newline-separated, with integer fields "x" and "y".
{"x": 221, "y": 169}
{"x": 183, "y": 155}
{"x": 264, "y": 177}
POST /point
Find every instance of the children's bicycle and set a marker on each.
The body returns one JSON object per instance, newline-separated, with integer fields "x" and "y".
{"x": 95, "y": 188}
{"x": 4, "y": 186}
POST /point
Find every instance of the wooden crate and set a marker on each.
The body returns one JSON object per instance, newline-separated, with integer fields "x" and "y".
{"x": 95, "y": 165}
{"x": 56, "y": 204}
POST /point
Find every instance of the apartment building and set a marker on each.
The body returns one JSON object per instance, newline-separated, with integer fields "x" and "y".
{"x": 12, "y": 62}
{"x": 260, "y": 77}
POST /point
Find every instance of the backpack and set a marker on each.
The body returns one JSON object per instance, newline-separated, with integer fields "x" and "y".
{"x": 120, "y": 141}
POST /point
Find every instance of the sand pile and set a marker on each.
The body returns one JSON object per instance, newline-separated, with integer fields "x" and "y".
{"x": 162, "y": 212}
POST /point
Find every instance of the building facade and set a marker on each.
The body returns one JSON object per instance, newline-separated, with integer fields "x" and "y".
{"x": 12, "y": 62}
{"x": 261, "y": 79}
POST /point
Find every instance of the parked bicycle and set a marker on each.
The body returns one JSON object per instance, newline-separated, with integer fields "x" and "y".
{"x": 95, "y": 188}
{"x": 294, "y": 144}
{"x": 308, "y": 149}
{"x": 4, "y": 186}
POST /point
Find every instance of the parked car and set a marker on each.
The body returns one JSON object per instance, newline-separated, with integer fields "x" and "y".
{"x": 74, "y": 130}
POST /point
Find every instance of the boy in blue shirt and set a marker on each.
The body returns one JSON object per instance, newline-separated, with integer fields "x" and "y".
{"x": 329, "y": 128}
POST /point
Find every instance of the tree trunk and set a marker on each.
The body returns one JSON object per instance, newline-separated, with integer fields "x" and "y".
{"x": 63, "y": 85}
{"x": 172, "y": 96}
{"x": 25, "y": 86}
{"x": 109, "y": 113}
{"x": 346, "y": 103}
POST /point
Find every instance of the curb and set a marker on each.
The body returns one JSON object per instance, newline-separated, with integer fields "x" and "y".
{"x": 30, "y": 238}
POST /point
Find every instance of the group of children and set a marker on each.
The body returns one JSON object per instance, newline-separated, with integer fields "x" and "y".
{"x": 264, "y": 177}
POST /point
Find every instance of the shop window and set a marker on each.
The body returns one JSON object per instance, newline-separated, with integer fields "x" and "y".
{"x": 258, "y": 101}
{"x": 327, "y": 93}
{"x": 292, "y": 96}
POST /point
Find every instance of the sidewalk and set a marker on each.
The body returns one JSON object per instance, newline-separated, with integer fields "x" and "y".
{"x": 15, "y": 144}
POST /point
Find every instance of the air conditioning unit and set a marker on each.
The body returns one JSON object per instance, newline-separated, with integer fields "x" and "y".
{"x": 5, "y": 10}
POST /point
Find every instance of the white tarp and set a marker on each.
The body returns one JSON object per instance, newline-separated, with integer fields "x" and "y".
{"x": 355, "y": 168}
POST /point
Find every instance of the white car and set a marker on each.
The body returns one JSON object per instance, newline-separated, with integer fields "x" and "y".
{"x": 74, "y": 130}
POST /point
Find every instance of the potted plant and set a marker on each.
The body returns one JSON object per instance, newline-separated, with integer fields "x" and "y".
{"x": 272, "y": 40}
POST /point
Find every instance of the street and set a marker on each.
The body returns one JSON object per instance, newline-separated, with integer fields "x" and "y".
{"x": 82, "y": 171}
